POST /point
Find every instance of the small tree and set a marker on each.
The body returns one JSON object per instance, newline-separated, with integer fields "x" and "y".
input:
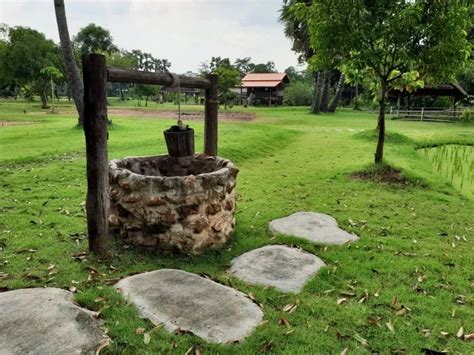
{"x": 390, "y": 41}
{"x": 52, "y": 73}
{"x": 229, "y": 76}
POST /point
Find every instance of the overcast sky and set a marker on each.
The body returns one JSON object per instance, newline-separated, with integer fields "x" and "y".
{"x": 187, "y": 32}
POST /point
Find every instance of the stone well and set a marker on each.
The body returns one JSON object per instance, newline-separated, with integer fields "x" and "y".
{"x": 180, "y": 204}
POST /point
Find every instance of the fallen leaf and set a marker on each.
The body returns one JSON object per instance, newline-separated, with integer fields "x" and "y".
{"x": 374, "y": 321}
{"x": 460, "y": 333}
{"x": 99, "y": 299}
{"x": 344, "y": 352}
{"x": 139, "y": 331}
{"x": 266, "y": 346}
{"x": 432, "y": 352}
{"x": 361, "y": 340}
{"x": 72, "y": 289}
{"x": 469, "y": 336}
{"x": 104, "y": 343}
{"x": 401, "y": 312}
{"x": 443, "y": 333}
{"x": 283, "y": 321}
{"x": 341, "y": 300}
{"x": 426, "y": 332}
{"x": 146, "y": 338}
{"x": 348, "y": 294}
{"x": 394, "y": 301}
{"x": 390, "y": 326}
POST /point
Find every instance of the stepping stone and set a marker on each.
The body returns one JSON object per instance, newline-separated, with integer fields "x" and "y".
{"x": 188, "y": 302}
{"x": 46, "y": 321}
{"x": 287, "y": 269}
{"x": 318, "y": 228}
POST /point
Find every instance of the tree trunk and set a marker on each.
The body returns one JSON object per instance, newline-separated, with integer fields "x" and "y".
{"x": 323, "y": 106}
{"x": 318, "y": 79}
{"x": 72, "y": 72}
{"x": 337, "y": 95}
{"x": 122, "y": 97}
{"x": 381, "y": 125}
{"x": 356, "y": 98}
{"x": 44, "y": 98}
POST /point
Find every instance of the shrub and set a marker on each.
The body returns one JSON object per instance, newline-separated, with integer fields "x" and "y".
{"x": 298, "y": 94}
{"x": 468, "y": 116}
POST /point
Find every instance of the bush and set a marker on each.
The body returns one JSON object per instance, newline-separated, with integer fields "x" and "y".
{"x": 468, "y": 116}
{"x": 298, "y": 94}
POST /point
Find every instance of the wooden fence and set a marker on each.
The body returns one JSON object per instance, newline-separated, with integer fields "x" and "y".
{"x": 426, "y": 114}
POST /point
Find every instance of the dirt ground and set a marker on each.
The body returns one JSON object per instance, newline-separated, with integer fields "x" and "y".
{"x": 185, "y": 115}
{"x": 11, "y": 123}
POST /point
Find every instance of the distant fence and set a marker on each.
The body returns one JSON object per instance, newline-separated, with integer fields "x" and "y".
{"x": 426, "y": 114}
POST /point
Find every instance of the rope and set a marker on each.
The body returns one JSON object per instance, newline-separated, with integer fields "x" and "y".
{"x": 176, "y": 83}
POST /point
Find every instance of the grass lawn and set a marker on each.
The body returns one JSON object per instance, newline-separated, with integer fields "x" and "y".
{"x": 408, "y": 283}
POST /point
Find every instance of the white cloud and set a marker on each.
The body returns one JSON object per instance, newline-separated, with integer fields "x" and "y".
{"x": 187, "y": 32}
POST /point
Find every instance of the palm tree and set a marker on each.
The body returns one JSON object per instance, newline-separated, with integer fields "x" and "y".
{"x": 72, "y": 72}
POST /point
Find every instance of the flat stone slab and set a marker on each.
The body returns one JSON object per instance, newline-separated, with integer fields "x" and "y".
{"x": 287, "y": 269}
{"x": 46, "y": 321}
{"x": 316, "y": 227}
{"x": 185, "y": 301}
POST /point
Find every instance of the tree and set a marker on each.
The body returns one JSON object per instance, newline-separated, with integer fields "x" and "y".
{"x": 53, "y": 73}
{"x": 70, "y": 64}
{"x": 94, "y": 39}
{"x": 228, "y": 76}
{"x": 268, "y": 67}
{"x": 244, "y": 65}
{"x": 297, "y": 30}
{"x": 120, "y": 59}
{"x": 26, "y": 53}
{"x": 392, "y": 41}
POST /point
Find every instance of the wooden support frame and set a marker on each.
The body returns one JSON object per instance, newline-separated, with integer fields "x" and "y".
{"x": 96, "y": 74}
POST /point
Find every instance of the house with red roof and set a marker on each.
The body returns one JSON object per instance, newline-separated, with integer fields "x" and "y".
{"x": 264, "y": 88}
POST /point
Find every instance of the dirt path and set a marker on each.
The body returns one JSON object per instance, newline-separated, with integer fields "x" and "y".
{"x": 13, "y": 123}
{"x": 186, "y": 115}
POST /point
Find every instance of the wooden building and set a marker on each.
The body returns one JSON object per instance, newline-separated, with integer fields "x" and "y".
{"x": 454, "y": 91}
{"x": 264, "y": 88}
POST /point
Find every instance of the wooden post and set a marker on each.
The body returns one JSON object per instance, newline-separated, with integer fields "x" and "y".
{"x": 210, "y": 117}
{"x": 95, "y": 130}
{"x": 422, "y": 112}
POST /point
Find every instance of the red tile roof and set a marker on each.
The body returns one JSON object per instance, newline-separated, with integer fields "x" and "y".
{"x": 263, "y": 79}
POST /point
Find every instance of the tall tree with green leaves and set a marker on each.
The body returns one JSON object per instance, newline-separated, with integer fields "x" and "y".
{"x": 94, "y": 39}
{"x": 27, "y": 52}
{"x": 393, "y": 41}
{"x": 70, "y": 63}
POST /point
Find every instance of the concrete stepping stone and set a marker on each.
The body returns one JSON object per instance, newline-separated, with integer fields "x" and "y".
{"x": 316, "y": 227}
{"x": 287, "y": 269}
{"x": 188, "y": 302}
{"x": 46, "y": 321}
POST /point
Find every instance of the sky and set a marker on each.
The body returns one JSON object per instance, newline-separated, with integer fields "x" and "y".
{"x": 186, "y": 32}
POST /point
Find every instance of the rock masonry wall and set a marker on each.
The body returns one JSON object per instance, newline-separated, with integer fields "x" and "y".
{"x": 177, "y": 204}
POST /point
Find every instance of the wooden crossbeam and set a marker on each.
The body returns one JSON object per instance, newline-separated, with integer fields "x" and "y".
{"x": 120, "y": 75}
{"x": 96, "y": 74}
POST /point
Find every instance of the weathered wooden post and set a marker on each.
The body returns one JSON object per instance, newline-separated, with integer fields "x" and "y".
{"x": 95, "y": 130}
{"x": 210, "y": 117}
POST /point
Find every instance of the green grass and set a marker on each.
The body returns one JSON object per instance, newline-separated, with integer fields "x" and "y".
{"x": 455, "y": 162}
{"x": 416, "y": 246}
